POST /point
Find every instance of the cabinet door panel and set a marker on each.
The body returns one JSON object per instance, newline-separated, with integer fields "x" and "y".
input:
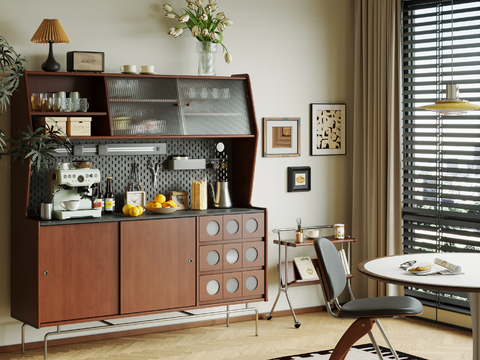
{"x": 253, "y": 283}
{"x": 78, "y": 271}
{"x": 253, "y": 226}
{"x": 232, "y": 227}
{"x": 232, "y": 285}
{"x": 254, "y": 254}
{"x": 210, "y": 228}
{"x": 211, "y": 257}
{"x": 157, "y": 265}
{"x": 232, "y": 256}
{"x": 211, "y": 287}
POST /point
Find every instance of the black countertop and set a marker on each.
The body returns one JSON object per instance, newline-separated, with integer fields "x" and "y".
{"x": 150, "y": 216}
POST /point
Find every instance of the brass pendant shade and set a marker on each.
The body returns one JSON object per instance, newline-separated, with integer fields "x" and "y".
{"x": 50, "y": 31}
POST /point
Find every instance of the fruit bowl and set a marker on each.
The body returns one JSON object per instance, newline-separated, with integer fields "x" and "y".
{"x": 161, "y": 210}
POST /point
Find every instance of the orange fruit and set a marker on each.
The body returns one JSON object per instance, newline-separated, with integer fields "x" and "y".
{"x": 160, "y": 198}
{"x": 134, "y": 211}
{"x": 151, "y": 204}
{"x": 157, "y": 205}
{"x": 171, "y": 203}
{"x": 166, "y": 205}
{"x": 126, "y": 209}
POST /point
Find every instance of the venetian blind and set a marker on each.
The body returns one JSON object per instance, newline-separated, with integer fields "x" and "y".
{"x": 441, "y": 154}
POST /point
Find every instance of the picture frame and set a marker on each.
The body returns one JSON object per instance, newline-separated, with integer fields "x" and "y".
{"x": 328, "y": 130}
{"x": 180, "y": 198}
{"x": 281, "y": 137}
{"x": 299, "y": 178}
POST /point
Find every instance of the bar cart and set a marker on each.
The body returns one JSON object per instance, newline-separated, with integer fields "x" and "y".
{"x": 288, "y": 275}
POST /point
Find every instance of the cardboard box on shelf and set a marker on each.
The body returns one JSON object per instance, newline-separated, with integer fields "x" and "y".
{"x": 79, "y": 126}
{"x": 49, "y": 122}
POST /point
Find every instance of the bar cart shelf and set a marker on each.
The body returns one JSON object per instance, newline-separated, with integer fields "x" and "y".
{"x": 288, "y": 276}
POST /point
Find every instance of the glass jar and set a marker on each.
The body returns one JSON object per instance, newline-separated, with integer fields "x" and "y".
{"x": 206, "y": 57}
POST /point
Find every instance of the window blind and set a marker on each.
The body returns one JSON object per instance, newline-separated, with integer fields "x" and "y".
{"x": 441, "y": 154}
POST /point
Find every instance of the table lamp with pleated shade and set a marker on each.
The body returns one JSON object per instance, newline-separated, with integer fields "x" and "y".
{"x": 50, "y": 31}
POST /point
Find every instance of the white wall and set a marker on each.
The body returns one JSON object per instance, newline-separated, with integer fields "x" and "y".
{"x": 296, "y": 52}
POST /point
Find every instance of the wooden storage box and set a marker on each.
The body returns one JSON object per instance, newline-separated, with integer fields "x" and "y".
{"x": 79, "y": 126}
{"x": 43, "y": 121}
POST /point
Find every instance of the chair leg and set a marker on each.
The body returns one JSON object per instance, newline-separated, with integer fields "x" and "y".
{"x": 358, "y": 329}
{"x": 375, "y": 345}
{"x": 394, "y": 353}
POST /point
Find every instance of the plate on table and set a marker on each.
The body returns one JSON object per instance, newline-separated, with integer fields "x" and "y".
{"x": 420, "y": 270}
{"x": 161, "y": 210}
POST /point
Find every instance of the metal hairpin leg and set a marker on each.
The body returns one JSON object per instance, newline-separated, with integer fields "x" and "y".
{"x": 394, "y": 353}
{"x": 110, "y": 325}
{"x": 23, "y": 338}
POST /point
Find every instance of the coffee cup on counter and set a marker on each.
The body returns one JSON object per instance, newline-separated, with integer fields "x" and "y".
{"x": 70, "y": 205}
{"x": 147, "y": 69}
{"x": 128, "y": 69}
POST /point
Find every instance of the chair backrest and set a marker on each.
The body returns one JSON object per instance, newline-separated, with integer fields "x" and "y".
{"x": 332, "y": 271}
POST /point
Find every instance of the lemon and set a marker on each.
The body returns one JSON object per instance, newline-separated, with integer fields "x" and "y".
{"x": 126, "y": 209}
{"x": 140, "y": 208}
{"x": 171, "y": 203}
{"x": 160, "y": 198}
{"x": 151, "y": 204}
{"x": 134, "y": 211}
{"x": 157, "y": 204}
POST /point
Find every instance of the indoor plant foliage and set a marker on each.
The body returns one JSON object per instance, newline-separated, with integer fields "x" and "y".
{"x": 202, "y": 23}
{"x": 39, "y": 149}
{"x": 13, "y": 65}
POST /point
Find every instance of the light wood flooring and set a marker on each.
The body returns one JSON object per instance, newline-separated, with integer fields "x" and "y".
{"x": 277, "y": 337}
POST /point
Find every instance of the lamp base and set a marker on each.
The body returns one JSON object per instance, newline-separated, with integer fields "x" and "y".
{"x": 50, "y": 64}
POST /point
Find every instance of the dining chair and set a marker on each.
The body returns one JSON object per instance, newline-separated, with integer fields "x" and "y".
{"x": 366, "y": 311}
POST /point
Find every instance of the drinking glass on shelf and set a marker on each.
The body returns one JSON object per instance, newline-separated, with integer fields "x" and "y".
{"x": 82, "y": 104}
{"x": 47, "y": 103}
{"x": 36, "y": 99}
{"x": 65, "y": 104}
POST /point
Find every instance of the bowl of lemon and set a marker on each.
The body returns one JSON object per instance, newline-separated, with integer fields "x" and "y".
{"x": 160, "y": 205}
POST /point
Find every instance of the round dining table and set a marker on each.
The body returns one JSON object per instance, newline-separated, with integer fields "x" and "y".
{"x": 387, "y": 269}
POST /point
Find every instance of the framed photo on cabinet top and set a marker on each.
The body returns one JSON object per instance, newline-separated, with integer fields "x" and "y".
{"x": 180, "y": 198}
{"x": 281, "y": 137}
{"x": 328, "y": 129}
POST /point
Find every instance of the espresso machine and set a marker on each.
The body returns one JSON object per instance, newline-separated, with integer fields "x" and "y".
{"x": 73, "y": 184}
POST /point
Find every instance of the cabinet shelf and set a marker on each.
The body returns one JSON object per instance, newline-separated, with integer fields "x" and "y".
{"x": 294, "y": 278}
{"x": 168, "y": 101}
{"x": 68, "y": 114}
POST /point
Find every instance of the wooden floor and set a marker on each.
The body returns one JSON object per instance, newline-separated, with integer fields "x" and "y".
{"x": 277, "y": 337}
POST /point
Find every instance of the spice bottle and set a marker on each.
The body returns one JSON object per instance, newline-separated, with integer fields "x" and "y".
{"x": 109, "y": 198}
{"x": 299, "y": 232}
{"x": 99, "y": 201}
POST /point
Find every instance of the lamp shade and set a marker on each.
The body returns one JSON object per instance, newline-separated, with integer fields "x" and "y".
{"x": 50, "y": 30}
{"x": 452, "y": 105}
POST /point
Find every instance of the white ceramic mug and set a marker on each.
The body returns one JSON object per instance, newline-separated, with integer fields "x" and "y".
{"x": 128, "y": 68}
{"x": 70, "y": 205}
{"x": 147, "y": 69}
{"x": 313, "y": 233}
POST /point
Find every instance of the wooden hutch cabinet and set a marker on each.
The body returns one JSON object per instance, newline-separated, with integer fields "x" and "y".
{"x": 80, "y": 270}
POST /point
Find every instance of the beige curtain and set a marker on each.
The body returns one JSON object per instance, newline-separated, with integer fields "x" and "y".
{"x": 376, "y": 219}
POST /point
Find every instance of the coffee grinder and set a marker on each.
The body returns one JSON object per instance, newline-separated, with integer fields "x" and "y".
{"x": 74, "y": 184}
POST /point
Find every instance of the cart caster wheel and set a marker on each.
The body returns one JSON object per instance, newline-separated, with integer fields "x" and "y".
{"x": 297, "y": 325}
{"x": 269, "y": 316}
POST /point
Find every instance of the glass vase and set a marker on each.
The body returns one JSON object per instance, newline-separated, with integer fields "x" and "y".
{"x": 206, "y": 57}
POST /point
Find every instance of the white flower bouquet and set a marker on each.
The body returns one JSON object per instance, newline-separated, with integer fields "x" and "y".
{"x": 201, "y": 22}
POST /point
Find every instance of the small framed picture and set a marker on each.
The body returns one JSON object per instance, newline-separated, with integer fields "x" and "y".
{"x": 180, "y": 198}
{"x": 328, "y": 129}
{"x": 299, "y": 178}
{"x": 281, "y": 137}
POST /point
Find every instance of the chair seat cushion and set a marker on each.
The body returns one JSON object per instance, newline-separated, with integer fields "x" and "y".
{"x": 382, "y": 307}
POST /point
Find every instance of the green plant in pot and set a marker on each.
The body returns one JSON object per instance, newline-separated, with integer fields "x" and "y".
{"x": 39, "y": 148}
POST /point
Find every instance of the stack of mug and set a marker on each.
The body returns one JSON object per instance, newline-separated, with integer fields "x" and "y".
{"x": 59, "y": 102}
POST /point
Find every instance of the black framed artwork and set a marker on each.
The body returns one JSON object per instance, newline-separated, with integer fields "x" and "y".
{"x": 299, "y": 178}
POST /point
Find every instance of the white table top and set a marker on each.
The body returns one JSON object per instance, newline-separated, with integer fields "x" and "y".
{"x": 387, "y": 269}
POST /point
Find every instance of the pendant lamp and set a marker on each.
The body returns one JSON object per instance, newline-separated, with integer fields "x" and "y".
{"x": 50, "y": 31}
{"x": 452, "y": 105}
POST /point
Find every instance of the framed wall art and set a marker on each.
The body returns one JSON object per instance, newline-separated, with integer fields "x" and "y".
{"x": 180, "y": 198}
{"x": 299, "y": 178}
{"x": 328, "y": 129}
{"x": 281, "y": 137}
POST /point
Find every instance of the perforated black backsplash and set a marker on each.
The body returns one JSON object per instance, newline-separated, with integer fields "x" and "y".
{"x": 120, "y": 168}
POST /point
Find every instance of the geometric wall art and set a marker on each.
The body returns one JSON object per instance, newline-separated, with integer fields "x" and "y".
{"x": 328, "y": 129}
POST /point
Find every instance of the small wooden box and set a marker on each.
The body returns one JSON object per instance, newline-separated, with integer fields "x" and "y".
{"x": 85, "y": 61}
{"x": 43, "y": 121}
{"x": 79, "y": 126}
